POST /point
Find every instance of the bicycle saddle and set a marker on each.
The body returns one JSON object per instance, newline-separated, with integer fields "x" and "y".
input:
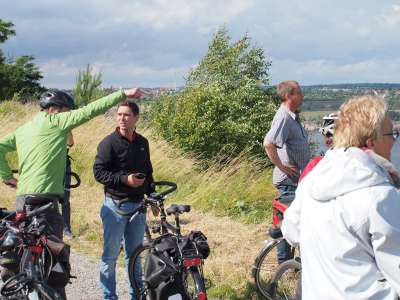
{"x": 181, "y": 208}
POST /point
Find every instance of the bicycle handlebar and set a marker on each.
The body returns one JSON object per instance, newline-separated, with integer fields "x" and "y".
{"x": 77, "y": 178}
{"x": 9, "y": 225}
{"x": 172, "y": 187}
{"x": 150, "y": 200}
{"x": 6, "y": 214}
{"x": 70, "y": 186}
{"x": 39, "y": 210}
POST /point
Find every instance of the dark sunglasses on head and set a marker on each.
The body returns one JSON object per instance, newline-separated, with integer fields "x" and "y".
{"x": 395, "y": 134}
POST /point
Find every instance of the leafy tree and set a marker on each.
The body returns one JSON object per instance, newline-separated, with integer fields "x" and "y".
{"x": 87, "y": 86}
{"x": 224, "y": 107}
{"x": 20, "y": 77}
{"x": 5, "y": 32}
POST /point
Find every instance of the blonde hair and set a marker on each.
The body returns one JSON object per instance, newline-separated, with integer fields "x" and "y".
{"x": 360, "y": 119}
{"x": 285, "y": 88}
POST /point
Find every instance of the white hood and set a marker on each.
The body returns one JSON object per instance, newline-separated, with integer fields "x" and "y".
{"x": 346, "y": 218}
{"x": 334, "y": 175}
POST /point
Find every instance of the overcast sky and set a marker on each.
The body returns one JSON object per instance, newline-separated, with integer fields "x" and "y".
{"x": 153, "y": 43}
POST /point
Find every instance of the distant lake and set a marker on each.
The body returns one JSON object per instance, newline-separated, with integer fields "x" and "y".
{"x": 316, "y": 137}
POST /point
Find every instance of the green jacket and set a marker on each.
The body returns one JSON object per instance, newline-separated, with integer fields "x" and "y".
{"x": 41, "y": 145}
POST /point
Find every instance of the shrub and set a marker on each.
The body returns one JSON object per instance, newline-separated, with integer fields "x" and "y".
{"x": 224, "y": 107}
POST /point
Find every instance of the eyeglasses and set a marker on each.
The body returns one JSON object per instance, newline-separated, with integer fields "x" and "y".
{"x": 394, "y": 134}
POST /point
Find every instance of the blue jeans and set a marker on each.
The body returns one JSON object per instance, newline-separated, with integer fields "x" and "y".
{"x": 117, "y": 228}
{"x": 285, "y": 189}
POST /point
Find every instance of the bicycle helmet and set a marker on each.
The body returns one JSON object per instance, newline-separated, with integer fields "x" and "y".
{"x": 55, "y": 97}
{"x": 327, "y": 128}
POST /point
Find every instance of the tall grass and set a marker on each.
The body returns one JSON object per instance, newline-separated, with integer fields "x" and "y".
{"x": 231, "y": 203}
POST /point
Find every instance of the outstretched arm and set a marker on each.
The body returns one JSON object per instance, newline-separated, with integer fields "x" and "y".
{"x": 72, "y": 119}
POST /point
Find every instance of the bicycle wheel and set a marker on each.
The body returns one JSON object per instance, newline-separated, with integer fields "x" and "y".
{"x": 286, "y": 283}
{"x": 14, "y": 284}
{"x": 265, "y": 266}
{"x": 45, "y": 292}
{"x": 136, "y": 275}
{"x": 194, "y": 284}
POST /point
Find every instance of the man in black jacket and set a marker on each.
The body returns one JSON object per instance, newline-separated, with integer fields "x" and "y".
{"x": 123, "y": 157}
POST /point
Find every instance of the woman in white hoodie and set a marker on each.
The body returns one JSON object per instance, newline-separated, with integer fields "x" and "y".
{"x": 346, "y": 215}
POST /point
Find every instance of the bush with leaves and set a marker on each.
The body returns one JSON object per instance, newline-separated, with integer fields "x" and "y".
{"x": 224, "y": 108}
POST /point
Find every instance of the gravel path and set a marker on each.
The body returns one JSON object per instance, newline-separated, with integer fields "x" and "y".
{"x": 86, "y": 285}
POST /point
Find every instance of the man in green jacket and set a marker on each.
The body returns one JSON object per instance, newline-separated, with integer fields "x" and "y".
{"x": 41, "y": 145}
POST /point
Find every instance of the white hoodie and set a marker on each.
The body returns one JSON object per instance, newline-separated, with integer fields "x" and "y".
{"x": 346, "y": 217}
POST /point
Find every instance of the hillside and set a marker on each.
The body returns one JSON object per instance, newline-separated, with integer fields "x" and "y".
{"x": 227, "y": 203}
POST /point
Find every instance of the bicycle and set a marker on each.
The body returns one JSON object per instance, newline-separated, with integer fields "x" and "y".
{"x": 172, "y": 263}
{"x": 28, "y": 259}
{"x": 286, "y": 282}
{"x": 273, "y": 280}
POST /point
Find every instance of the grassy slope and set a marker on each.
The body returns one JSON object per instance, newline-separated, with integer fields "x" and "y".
{"x": 231, "y": 205}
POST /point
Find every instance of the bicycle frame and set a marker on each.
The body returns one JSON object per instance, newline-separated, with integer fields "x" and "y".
{"x": 188, "y": 262}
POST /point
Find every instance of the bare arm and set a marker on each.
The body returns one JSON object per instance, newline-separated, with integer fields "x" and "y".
{"x": 70, "y": 139}
{"x": 272, "y": 153}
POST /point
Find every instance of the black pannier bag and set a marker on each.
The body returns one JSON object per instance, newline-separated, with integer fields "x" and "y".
{"x": 60, "y": 273}
{"x": 161, "y": 274}
{"x": 200, "y": 240}
{"x": 166, "y": 244}
{"x": 173, "y": 289}
{"x": 157, "y": 269}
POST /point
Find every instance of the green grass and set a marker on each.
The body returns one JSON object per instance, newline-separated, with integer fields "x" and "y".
{"x": 12, "y": 108}
{"x": 222, "y": 292}
{"x": 241, "y": 189}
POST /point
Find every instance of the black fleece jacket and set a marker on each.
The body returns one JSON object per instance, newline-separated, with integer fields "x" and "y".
{"x": 117, "y": 156}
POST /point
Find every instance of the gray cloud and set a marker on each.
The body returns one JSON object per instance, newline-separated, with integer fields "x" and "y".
{"x": 152, "y": 43}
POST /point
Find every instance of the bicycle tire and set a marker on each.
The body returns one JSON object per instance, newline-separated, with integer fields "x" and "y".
{"x": 198, "y": 283}
{"x": 14, "y": 284}
{"x": 138, "y": 256}
{"x": 286, "y": 283}
{"x": 45, "y": 292}
{"x": 264, "y": 267}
